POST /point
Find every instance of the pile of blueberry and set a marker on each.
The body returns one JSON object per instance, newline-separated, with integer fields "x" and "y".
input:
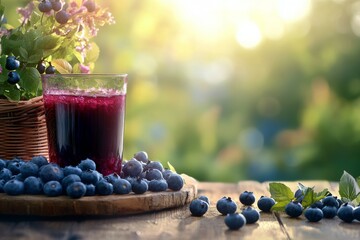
{"x": 38, "y": 176}
{"x": 328, "y": 207}
{"x": 227, "y": 207}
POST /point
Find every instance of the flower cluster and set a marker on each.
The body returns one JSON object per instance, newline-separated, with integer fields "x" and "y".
{"x": 54, "y": 36}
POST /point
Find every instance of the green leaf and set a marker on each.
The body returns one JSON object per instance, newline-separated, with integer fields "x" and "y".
{"x": 321, "y": 195}
{"x": 308, "y": 197}
{"x": 348, "y": 187}
{"x": 11, "y": 92}
{"x": 35, "y": 58}
{"x": 30, "y": 81}
{"x": 23, "y": 53}
{"x": 92, "y": 54}
{"x": 171, "y": 167}
{"x": 279, "y": 206}
{"x": 358, "y": 180}
{"x": 62, "y": 66}
{"x": 280, "y": 192}
{"x": 48, "y": 42}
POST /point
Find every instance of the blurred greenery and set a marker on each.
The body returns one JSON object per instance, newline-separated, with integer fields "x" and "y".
{"x": 278, "y": 99}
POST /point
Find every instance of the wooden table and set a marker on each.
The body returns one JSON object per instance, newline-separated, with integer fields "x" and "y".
{"x": 179, "y": 224}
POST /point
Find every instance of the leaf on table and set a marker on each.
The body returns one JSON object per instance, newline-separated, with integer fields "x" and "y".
{"x": 348, "y": 187}
{"x": 280, "y": 192}
{"x": 171, "y": 167}
{"x": 309, "y": 197}
{"x": 279, "y": 206}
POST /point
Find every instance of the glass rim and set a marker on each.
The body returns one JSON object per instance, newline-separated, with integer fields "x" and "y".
{"x": 122, "y": 75}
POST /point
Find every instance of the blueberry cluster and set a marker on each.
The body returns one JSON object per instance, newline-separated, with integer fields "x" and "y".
{"x": 59, "y": 8}
{"x": 227, "y": 206}
{"x": 329, "y": 207}
{"x": 37, "y": 176}
{"x": 12, "y": 64}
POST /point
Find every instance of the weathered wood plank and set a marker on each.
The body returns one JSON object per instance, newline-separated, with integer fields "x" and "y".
{"x": 179, "y": 224}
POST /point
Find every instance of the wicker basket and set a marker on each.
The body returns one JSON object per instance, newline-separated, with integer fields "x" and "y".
{"x": 23, "y": 129}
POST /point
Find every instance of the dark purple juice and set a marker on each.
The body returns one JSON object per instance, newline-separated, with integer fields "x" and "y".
{"x": 86, "y": 126}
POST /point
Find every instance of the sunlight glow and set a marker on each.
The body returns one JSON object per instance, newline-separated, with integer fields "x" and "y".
{"x": 250, "y": 21}
{"x": 248, "y": 34}
{"x": 293, "y": 10}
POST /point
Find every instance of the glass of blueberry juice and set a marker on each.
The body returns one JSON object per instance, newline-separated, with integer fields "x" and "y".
{"x": 85, "y": 116}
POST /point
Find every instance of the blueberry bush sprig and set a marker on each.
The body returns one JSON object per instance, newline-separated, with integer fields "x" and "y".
{"x": 54, "y": 36}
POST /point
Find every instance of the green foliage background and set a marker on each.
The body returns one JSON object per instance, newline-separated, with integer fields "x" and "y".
{"x": 286, "y": 110}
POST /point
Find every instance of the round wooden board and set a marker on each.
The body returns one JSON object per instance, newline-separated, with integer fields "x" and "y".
{"x": 113, "y": 205}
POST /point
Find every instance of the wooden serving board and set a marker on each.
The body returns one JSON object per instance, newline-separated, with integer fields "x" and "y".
{"x": 113, "y": 205}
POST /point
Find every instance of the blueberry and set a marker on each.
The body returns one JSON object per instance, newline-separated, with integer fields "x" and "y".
{"x": 293, "y": 209}
{"x": 299, "y": 195}
{"x": 235, "y": 221}
{"x": 247, "y": 198}
{"x": 157, "y": 185}
{"x": 226, "y": 205}
{"x": 51, "y": 172}
{"x": 111, "y": 178}
{"x": 318, "y": 204}
{"x": 198, "y": 207}
{"x": 29, "y": 169}
{"x": 139, "y": 186}
{"x": 2, "y": 163}
{"x": 13, "y": 78}
{"x": 19, "y": 177}
{"x": 330, "y": 201}
{"x": 41, "y": 67}
{"x": 265, "y": 203}
{"x": 251, "y": 215}
{"x": 69, "y": 179}
{"x": 154, "y": 165}
{"x": 12, "y": 63}
{"x": 329, "y": 212}
{"x": 56, "y": 5}
{"x": 132, "y": 168}
{"x": 175, "y": 182}
{"x": 52, "y": 189}
{"x": 204, "y": 198}
{"x": 39, "y": 161}
{"x": 166, "y": 173}
{"x": 5, "y": 174}
{"x": 142, "y": 156}
{"x": 345, "y": 213}
{"x": 62, "y": 17}
{"x": 33, "y": 185}
{"x": 50, "y": 69}
{"x": 90, "y": 176}
{"x": 45, "y": 6}
{"x": 87, "y": 164}
{"x": 313, "y": 214}
{"x": 90, "y": 190}
{"x": 152, "y": 174}
{"x": 104, "y": 188}
{"x": 76, "y": 190}
{"x": 90, "y": 5}
{"x": 121, "y": 186}
{"x": 72, "y": 170}
{"x": 356, "y": 213}
{"x": 14, "y": 187}
{"x": 130, "y": 179}
{"x": 14, "y": 166}
{"x": 2, "y": 183}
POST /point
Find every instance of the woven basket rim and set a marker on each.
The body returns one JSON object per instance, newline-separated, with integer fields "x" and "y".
{"x": 31, "y": 100}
